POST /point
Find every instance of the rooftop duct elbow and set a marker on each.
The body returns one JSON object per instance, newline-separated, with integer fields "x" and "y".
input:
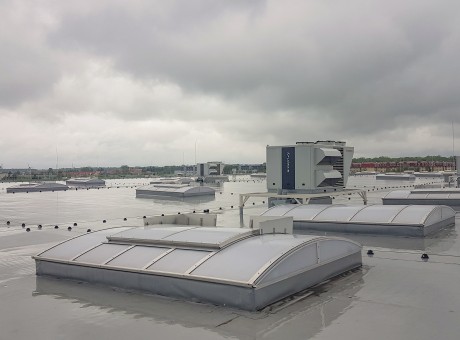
{"x": 327, "y": 156}
{"x": 327, "y": 177}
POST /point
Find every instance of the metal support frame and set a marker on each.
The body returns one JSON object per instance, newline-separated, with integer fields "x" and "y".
{"x": 299, "y": 198}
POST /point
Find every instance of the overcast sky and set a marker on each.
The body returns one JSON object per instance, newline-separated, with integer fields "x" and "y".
{"x": 107, "y": 82}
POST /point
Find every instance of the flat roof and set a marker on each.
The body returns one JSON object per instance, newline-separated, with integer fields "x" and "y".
{"x": 395, "y": 292}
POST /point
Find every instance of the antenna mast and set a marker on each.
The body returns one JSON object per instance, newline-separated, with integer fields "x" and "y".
{"x": 453, "y": 147}
{"x": 196, "y": 166}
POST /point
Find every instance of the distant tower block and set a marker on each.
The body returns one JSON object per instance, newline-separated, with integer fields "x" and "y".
{"x": 308, "y": 167}
{"x": 210, "y": 169}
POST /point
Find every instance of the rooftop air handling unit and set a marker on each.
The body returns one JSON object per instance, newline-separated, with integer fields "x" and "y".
{"x": 308, "y": 167}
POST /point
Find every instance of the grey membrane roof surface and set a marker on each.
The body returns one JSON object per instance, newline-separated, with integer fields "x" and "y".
{"x": 173, "y": 190}
{"x": 204, "y": 264}
{"x": 367, "y": 218}
{"x": 395, "y": 293}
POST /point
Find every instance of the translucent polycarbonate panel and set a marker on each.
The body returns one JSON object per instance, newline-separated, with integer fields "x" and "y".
{"x": 454, "y": 196}
{"x": 149, "y": 233}
{"x": 279, "y": 210}
{"x": 178, "y": 261}
{"x": 417, "y": 195}
{"x": 195, "y": 190}
{"x": 174, "y": 186}
{"x": 170, "y": 186}
{"x": 155, "y": 189}
{"x": 438, "y": 195}
{"x": 439, "y": 213}
{"x": 447, "y": 212}
{"x": 377, "y": 213}
{"x": 208, "y": 235}
{"x": 181, "y": 189}
{"x": 337, "y": 213}
{"x": 298, "y": 261}
{"x": 137, "y": 257}
{"x": 306, "y": 212}
{"x": 433, "y": 217}
{"x": 73, "y": 247}
{"x": 395, "y": 176}
{"x": 245, "y": 259}
{"x": 102, "y": 253}
{"x": 437, "y": 191}
{"x": 333, "y": 249}
{"x": 413, "y": 214}
{"x": 178, "y": 190}
{"x": 398, "y": 194}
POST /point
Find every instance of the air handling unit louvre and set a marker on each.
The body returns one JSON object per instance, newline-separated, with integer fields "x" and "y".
{"x": 308, "y": 167}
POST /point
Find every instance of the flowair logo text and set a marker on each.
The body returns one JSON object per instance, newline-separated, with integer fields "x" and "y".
{"x": 288, "y": 154}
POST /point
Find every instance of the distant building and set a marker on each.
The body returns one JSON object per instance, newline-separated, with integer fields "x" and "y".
{"x": 187, "y": 170}
{"x": 251, "y": 168}
{"x": 402, "y": 166}
{"x": 210, "y": 169}
{"x": 135, "y": 171}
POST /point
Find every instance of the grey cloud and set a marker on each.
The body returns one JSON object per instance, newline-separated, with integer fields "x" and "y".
{"x": 375, "y": 73}
{"x": 356, "y": 61}
{"x": 25, "y": 74}
{"x": 27, "y": 68}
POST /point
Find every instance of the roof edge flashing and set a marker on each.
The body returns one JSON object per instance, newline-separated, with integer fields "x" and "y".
{"x": 148, "y": 272}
